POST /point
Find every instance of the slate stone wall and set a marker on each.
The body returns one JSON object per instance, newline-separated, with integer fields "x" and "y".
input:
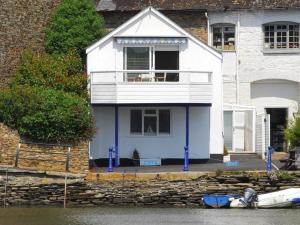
{"x": 38, "y": 191}
{"x": 22, "y": 24}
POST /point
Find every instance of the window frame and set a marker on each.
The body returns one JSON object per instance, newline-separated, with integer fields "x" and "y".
{"x": 222, "y": 26}
{"x": 157, "y": 134}
{"x": 275, "y": 49}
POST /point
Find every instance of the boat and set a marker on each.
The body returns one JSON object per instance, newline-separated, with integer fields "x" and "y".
{"x": 278, "y": 199}
{"x": 217, "y": 201}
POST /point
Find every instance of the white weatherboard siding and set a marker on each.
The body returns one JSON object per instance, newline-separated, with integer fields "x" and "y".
{"x": 200, "y": 82}
{"x": 165, "y": 146}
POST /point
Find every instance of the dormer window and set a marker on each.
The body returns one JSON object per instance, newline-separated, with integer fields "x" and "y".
{"x": 223, "y": 37}
{"x": 281, "y": 35}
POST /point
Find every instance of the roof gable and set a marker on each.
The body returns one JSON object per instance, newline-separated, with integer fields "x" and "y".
{"x": 138, "y": 25}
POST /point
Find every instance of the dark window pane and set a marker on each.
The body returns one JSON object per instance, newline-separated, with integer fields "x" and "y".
{"x": 164, "y": 121}
{"x": 150, "y": 111}
{"x": 138, "y": 58}
{"x": 136, "y": 121}
{"x": 150, "y": 126}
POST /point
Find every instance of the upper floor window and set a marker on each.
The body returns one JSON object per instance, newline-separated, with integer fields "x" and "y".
{"x": 281, "y": 35}
{"x": 223, "y": 37}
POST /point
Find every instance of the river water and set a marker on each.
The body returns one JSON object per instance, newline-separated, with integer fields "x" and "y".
{"x": 147, "y": 216}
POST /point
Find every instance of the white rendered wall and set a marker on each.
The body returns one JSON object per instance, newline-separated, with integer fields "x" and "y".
{"x": 168, "y": 146}
{"x": 255, "y": 65}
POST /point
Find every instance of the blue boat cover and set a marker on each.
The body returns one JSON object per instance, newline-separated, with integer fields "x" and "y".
{"x": 217, "y": 201}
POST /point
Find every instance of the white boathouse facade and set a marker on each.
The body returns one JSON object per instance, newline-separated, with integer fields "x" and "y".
{"x": 156, "y": 89}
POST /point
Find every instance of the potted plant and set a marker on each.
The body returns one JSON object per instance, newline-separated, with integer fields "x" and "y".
{"x": 292, "y": 133}
{"x": 226, "y": 156}
{"x": 135, "y": 157}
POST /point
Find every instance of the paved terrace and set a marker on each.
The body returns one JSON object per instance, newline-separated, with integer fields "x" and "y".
{"x": 248, "y": 162}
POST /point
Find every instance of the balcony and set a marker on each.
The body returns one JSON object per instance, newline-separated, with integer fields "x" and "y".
{"x": 150, "y": 86}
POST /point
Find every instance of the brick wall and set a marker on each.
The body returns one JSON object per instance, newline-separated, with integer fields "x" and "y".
{"x": 22, "y": 24}
{"x": 193, "y": 22}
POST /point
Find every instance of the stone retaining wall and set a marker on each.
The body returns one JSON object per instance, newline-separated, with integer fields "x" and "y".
{"x": 41, "y": 156}
{"x": 23, "y": 191}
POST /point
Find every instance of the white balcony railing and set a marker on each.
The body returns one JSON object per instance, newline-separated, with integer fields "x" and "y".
{"x": 151, "y": 86}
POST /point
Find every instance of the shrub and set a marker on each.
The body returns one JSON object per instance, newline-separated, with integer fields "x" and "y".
{"x": 45, "y": 114}
{"x": 292, "y": 133}
{"x": 75, "y": 24}
{"x": 58, "y": 72}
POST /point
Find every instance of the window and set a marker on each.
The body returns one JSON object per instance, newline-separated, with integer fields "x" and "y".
{"x": 223, "y": 37}
{"x": 150, "y": 122}
{"x": 281, "y": 35}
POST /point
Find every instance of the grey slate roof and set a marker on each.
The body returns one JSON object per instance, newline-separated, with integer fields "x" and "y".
{"x": 134, "y": 5}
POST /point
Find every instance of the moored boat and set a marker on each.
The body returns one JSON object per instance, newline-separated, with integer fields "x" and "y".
{"x": 217, "y": 201}
{"x": 278, "y": 199}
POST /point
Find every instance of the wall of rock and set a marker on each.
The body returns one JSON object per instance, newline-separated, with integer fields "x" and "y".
{"x": 38, "y": 191}
{"x": 41, "y": 157}
{"x": 22, "y": 24}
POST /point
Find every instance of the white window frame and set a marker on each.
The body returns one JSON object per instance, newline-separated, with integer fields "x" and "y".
{"x": 142, "y": 134}
{"x": 275, "y": 49}
{"x": 222, "y": 26}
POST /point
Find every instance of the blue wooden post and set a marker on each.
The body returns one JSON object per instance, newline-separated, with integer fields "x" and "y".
{"x": 116, "y": 136}
{"x": 269, "y": 162}
{"x": 110, "y": 160}
{"x": 186, "y": 148}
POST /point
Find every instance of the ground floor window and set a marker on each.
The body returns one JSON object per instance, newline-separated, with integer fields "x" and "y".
{"x": 150, "y": 122}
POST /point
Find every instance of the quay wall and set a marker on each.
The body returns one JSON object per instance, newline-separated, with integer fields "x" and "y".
{"x": 42, "y": 190}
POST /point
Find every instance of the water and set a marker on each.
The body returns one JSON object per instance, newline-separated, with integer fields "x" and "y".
{"x": 147, "y": 216}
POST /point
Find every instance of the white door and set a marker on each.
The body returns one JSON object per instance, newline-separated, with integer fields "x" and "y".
{"x": 262, "y": 134}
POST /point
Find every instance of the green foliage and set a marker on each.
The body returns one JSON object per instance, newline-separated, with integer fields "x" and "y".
{"x": 292, "y": 133}
{"x": 75, "y": 25}
{"x": 58, "y": 72}
{"x": 45, "y": 114}
{"x": 285, "y": 176}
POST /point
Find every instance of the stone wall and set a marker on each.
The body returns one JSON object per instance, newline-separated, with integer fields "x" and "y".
{"x": 24, "y": 190}
{"x": 41, "y": 156}
{"x": 194, "y": 22}
{"x": 22, "y": 24}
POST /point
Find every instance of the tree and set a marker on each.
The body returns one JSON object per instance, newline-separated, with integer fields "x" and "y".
{"x": 59, "y": 72}
{"x": 75, "y": 24}
{"x": 45, "y": 114}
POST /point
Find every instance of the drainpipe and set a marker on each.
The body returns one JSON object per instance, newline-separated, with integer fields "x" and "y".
{"x": 208, "y": 28}
{"x": 237, "y": 60}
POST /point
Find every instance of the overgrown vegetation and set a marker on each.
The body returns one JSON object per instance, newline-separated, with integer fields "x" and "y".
{"x": 75, "y": 25}
{"x": 292, "y": 133}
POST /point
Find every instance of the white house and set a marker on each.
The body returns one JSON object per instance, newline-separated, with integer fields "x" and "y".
{"x": 261, "y": 72}
{"x": 157, "y": 89}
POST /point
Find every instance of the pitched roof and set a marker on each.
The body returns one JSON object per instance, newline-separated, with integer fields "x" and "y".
{"x": 136, "y": 5}
{"x": 160, "y": 15}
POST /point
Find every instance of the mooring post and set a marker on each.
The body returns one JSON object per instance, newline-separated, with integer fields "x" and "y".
{"x": 66, "y": 176}
{"x": 110, "y": 160}
{"x": 269, "y": 161}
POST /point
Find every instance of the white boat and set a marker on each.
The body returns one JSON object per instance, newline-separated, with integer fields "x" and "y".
{"x": 278, "y": 199}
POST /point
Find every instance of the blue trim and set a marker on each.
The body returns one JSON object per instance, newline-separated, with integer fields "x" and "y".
{"x": 187, "y": 138}
{"x": 153, "y": 104}
{"x": 116, "y": 136}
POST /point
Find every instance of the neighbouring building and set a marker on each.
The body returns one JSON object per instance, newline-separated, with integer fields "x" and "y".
{"x": 157, "y": 89}
{"x": 259, "y": 41}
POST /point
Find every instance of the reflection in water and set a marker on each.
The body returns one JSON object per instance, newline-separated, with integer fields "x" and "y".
{"x": 147, "y": 216}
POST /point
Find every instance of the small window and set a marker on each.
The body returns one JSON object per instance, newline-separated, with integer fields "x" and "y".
{"x": 136, "y": 121}
{"x": 150, "y": 122}
{"x": 281, "y": 35}
{"x": 223, "y": 37}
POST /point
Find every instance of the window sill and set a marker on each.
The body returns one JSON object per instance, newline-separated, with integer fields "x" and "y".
{"x": 281, "y": 51}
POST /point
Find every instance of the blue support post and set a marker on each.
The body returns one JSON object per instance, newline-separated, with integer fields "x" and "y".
{"x": 187, "y": 137}
{"x": 110, "y": 160}
{"x": 116, "y": 136}
{"x": 269, "y": 161}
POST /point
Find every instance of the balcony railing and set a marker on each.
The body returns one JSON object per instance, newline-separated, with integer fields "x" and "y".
{"x": 150, "y": 86}
{"x": 150, "y": 76}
